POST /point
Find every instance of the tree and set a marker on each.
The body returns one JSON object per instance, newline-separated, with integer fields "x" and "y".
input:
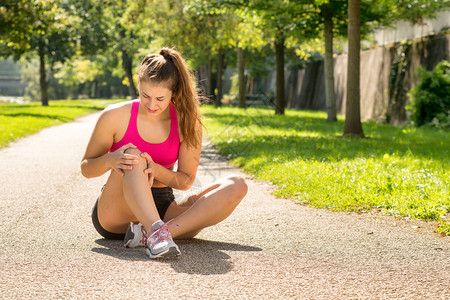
{"x": 329, "y": 68}
{"x": 353, "y": 126}
{"x": 46, "y": 31}
{"x": 192, "y": 30}
{"x": 54, "y": 30}
{"x": 364, "y": 16}
{"x": 92, "y": 42}
{"x": 16, "y": 24}
{"x": 241, "y": 76}
{"x": 280, "y": 20}
{"x": 128, "y": 20}
{"x": 205, "y": 29}
{"x": 77, "y": 73}
{"x": 247, "y": 37}
{"x": 279, "y": 55}
{"x": 332, "y": 15}
{"x": 220, "y": 68}
{"x": 216, "y": 31}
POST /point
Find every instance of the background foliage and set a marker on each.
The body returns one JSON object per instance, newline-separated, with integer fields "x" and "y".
{"x": 431, "y": 97}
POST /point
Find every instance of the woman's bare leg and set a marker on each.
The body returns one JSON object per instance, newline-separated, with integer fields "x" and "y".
{"x": 127, "y": 199}
{"x": 209, "y": 207}
{"x": 137, "y": 193}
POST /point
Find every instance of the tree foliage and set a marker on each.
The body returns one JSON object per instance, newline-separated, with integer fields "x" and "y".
{"x": 413, "y": 11}
{"x": 54, "y": 30}
{"x": 37, "y": 25}
{"x": 83, "y": 42}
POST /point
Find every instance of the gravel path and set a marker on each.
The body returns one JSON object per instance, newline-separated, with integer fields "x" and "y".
{"x": 268, "y": 249}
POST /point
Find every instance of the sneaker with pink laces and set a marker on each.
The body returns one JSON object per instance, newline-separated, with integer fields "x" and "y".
{"x": 135, "y": 236}
{"x": 160, "y": 243}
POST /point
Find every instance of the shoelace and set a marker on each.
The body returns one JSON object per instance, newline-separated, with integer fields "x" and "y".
{"x": 143, "y": 240}
{"x": 162, "y": 233}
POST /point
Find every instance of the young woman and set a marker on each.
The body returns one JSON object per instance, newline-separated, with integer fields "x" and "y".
{"x": 140, "y": 141}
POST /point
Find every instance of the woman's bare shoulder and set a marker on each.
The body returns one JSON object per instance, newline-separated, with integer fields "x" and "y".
{"x": 119, "y": 107}
{"x": 115, "y": 115}
{"x": 117, "y": 110}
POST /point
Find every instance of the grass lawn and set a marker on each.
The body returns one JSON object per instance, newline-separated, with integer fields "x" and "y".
{"x": 19, "y": 120}
{"x": 402, "y": 171}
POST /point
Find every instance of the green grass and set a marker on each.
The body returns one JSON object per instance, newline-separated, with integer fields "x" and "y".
{"x": 19, "y": 120}
{"x": 402, "y": 171}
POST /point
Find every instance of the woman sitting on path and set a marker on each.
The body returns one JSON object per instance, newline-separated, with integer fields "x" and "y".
{"x": 140, "y": 141}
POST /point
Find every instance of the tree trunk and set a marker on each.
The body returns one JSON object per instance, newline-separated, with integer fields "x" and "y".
{"x": 43, "y": 78}
{"x": 209, "y": 83}
{"x": 329, "y": 69}
{"x": 127, "y": 64}
{"x": 353, "y": 126}
{"x": 219, "y": 77}
{"x": 95, "y": 90}
{"x": 241, "y": 77}
{"x": 279, "y": 54}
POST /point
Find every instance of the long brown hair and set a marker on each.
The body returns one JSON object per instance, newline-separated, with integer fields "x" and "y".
{"x": 168, "y": 66}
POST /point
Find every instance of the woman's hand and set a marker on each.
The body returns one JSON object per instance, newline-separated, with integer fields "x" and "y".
{"x": 150, "y": 168}
{"x": 121, "y": 161}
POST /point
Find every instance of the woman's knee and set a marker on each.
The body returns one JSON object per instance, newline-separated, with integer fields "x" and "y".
{"x": 238, "y": 187}
{"x": 142, "y": 162}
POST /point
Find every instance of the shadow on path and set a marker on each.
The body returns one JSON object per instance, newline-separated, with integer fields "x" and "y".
{"x": 197, "y": 256}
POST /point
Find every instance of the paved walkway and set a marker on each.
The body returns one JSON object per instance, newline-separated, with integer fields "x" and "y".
{"x": 268, "y": 249}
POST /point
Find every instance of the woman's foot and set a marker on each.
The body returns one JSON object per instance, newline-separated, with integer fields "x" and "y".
{"x": 160, "y": 243}
{"x": 136, "y": 236}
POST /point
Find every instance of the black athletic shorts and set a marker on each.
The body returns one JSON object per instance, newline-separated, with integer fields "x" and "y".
{"x": 163, "y": 198}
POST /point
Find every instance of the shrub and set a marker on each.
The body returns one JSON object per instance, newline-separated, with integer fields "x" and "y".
{"x": 431, "y": 97}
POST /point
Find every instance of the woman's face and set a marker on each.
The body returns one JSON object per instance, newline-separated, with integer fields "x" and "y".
{"x": 155, "y": 98}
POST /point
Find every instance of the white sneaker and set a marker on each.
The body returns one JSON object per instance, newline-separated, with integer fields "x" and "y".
{"x": 136, "y": 236}
{"x": 160, "y": 243}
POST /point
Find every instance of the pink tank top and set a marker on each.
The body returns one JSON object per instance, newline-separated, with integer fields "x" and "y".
{"x": 165, "y": 153}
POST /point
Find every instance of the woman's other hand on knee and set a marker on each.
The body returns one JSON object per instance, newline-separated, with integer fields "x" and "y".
{"x": 150, "y": 167}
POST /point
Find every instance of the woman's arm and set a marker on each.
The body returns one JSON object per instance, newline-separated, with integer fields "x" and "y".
{"x": 97, "y": 160}
{"x": 184, "y": 177}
